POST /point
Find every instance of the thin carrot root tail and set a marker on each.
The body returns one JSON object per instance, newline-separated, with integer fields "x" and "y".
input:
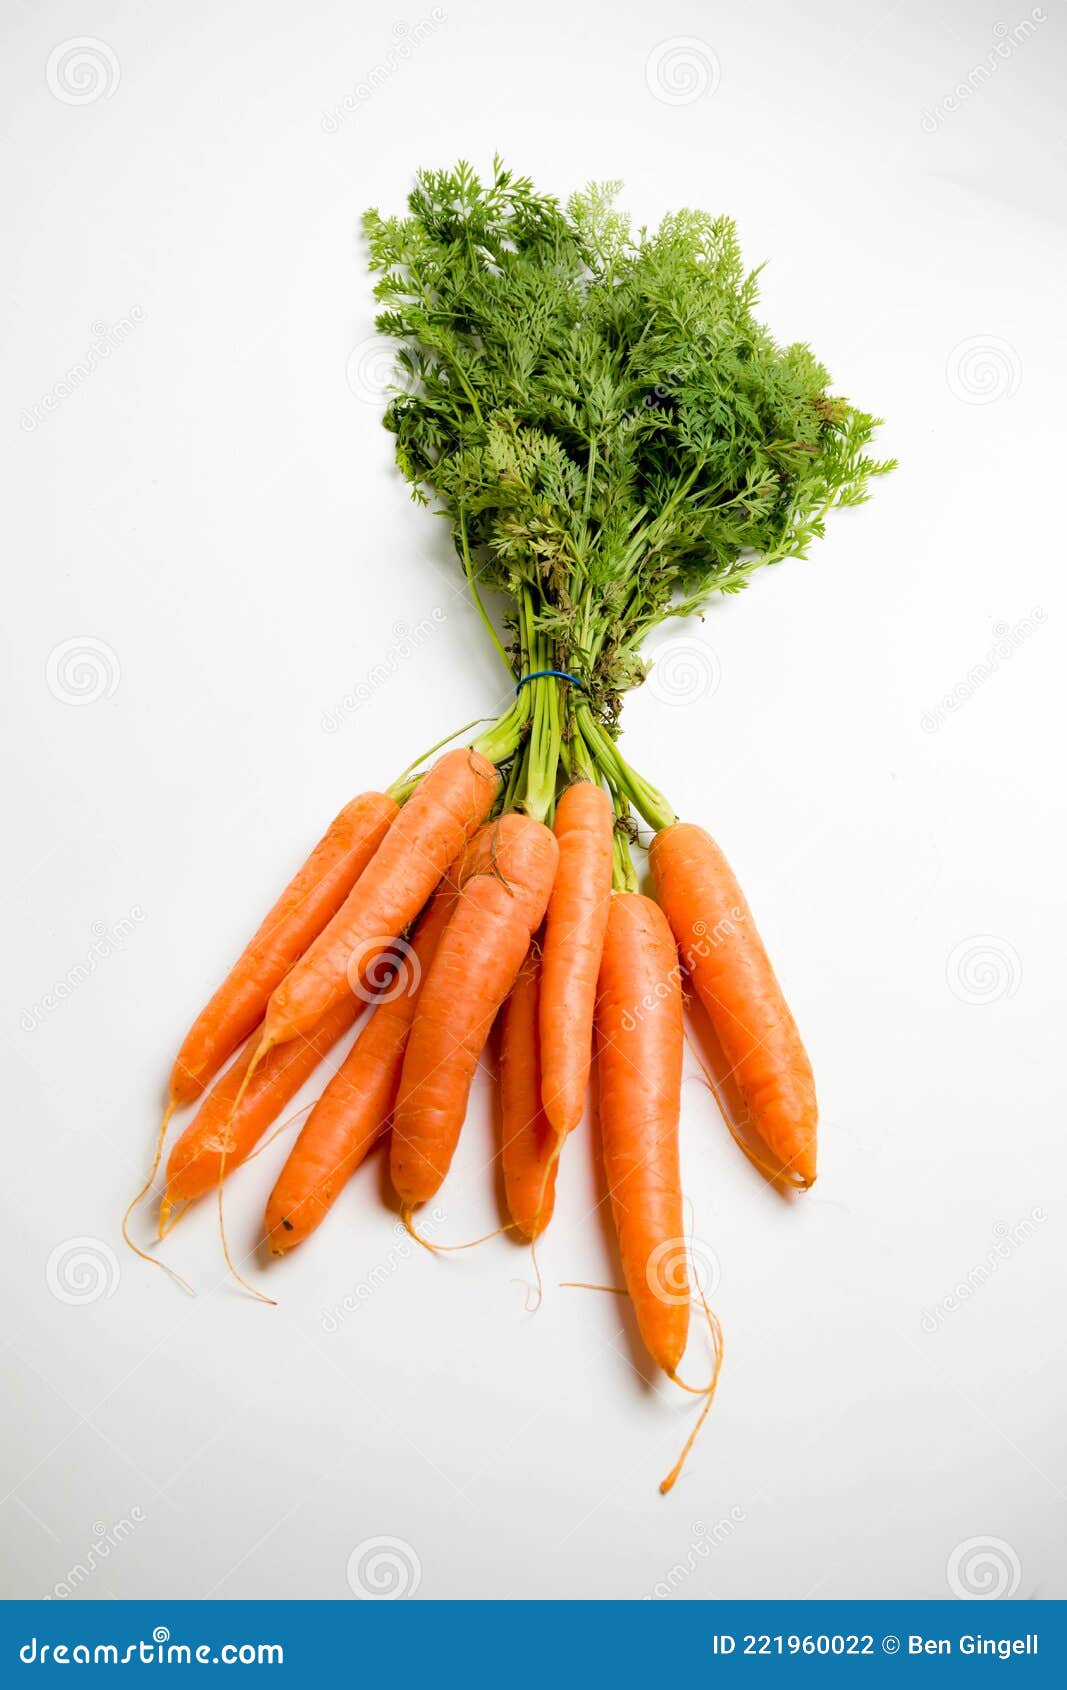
{"x": 145, "y": 1255}
{"x": 539, "y": 1292}
{"x": 705, "y": 1391}
{"x": 449, "y": 1249}
{"x": 584, "y": 1285}
{"x": 253, "y": 1291}
{"x": 157, "y": 1157}
{"x": 538, "y": 1226}
{"x": 157, "y": 1261}
{"x": 277, "y": 1133}
{"x": 135, "y": 1202}
{"x": 409, "y": 1225}
{"x": 262, "y": 1049}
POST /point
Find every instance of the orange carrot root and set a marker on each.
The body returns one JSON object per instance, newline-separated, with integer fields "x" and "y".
{"x": 573, "y": 943}
{"x": 356, "y": 1107}
{"x": 530, "y": 1141}
{"x": 475, "y": 966}
{"x": 732, "y": 976}
{"x": 782, "y": 1178}
{"x": 193, "y": 1165}
{"x": 307, "y": 904}
{"x": 449, "y": 804}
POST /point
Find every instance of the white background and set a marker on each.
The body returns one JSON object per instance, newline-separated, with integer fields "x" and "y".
{"x": 212, "y": 518}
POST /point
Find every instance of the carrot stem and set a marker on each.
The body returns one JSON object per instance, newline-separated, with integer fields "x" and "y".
{"x": 646, "y": 800}
{"x": 407, "y": 781}
{"x": 468, "y": 570}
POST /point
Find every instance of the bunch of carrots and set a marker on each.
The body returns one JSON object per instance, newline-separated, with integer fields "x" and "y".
{"x": 497, "y": 884}
{"x": 466, "y": 911}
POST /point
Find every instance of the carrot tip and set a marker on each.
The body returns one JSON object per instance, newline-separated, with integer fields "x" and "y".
{"x": 177, "y": 1212}
{"x": 276, "y": 1241}
{"x": 785, "y": 1176}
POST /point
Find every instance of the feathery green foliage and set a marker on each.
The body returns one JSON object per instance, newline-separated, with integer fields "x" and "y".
{"x": 610, "y": 431}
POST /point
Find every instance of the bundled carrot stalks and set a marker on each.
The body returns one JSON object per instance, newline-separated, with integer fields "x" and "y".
{"x": 614, "y": 438}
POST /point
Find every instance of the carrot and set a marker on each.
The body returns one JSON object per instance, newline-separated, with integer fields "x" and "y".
{"x": 446, "y": 807}
{"x": 734, "y": 980}
{"x": 639, "y": 1060}
{"x": 477, "y": 961}
{"x": 311, "y": 898}
{"x": 530, "y": 1144}
{"x": 354, "y": 1110}
{"x": 574, "y": 940}
{"x": 218, "y": 1138}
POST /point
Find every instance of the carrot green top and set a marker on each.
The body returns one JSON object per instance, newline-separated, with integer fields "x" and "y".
{"x": 610, "y": 431}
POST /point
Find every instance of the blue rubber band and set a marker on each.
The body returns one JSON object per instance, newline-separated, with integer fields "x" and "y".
{"x": 553, "y": 674}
